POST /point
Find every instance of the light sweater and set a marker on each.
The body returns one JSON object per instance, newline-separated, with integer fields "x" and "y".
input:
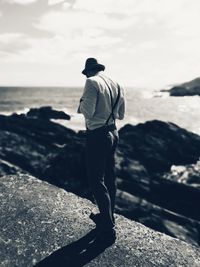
{"x": 95, "y": 103}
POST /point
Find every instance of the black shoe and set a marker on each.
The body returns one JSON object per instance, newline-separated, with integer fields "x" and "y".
{"x": 106, "y": 237}
{"x": 96, "y": 218}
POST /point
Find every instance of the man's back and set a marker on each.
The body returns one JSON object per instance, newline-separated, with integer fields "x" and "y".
{"x": 97, "y": 104}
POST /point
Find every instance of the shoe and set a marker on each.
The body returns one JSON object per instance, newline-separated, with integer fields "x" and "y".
{"x": 96, "y": 218}
{"x": 106, "y": 237}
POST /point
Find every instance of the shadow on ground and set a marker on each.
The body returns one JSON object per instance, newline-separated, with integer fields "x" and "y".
{"x": 75, "y": 254}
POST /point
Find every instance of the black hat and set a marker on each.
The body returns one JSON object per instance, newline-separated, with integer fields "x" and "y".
{"x": 92, "y": 64}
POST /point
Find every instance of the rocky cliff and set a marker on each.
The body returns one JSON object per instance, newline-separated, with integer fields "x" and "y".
{"x": 190, "y": 88}
{"x": 43, "y": 225}
{"x": 147, "y": 190}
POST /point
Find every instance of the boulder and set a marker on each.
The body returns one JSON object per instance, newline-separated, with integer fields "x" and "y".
{"x": 158, "y": 145}
{"x": 182, "y": 91}
{"x": 190, "y": 88}
{"x": 43, "y": 148}
{"x": 46, "y": 113}
{"x": 189, "y": 174}
{"x": 157, "y": 218}
{"x": 178, "y": 91}
{"x": 152, "y": 148}
{"x": 7, "y": 168}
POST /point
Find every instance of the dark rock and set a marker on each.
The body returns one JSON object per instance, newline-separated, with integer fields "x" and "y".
{"x": 178, "y": 197}
{"x": 6, "y": 168}
{"x": 146, "y": 152}
{"x": 190, "y": 88}
{"x": 189, "y": 174}
{"x": 194, "y": 91}
{"x": 43, "y": 148}
{"x": 158, "y": 145}
{"x": 193, "y": 83}
{"x": 153, "y": 148}
{"x": 182, "y": 91}
{"x": 46, "y": 113}
{"x": 157, "y": 218}
{"x": 178, "y": 91}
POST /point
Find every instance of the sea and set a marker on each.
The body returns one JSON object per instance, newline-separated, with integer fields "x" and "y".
{"x": 142, "y": 104}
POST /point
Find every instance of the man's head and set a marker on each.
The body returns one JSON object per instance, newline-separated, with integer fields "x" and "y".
{"x": 92, "y": 67}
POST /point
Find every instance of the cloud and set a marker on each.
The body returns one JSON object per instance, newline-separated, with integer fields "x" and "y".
{"x": 106, "y": 6}
{"x": 181, "y": 15}
{"x": 54, "y": 2}
{"x": 131, "y": 7}
{"x": 68, "y": 21}
{"x": 81, "y": 32}
{"x": 58, "y": 49}
{"x": 148, "y": 45}
{"x": 11, "y": 44}
{"x": 21, "y": 2}
{"x": 152, "y": 39}
{"x": 68, "y": 39}
{"x": 7, "y": 38}
{"x": 78, "y": 34}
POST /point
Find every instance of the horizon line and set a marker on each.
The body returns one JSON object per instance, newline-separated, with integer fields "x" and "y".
{"x": 82, "y": 86}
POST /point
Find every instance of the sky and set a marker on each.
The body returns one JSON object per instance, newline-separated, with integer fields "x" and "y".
{"x": 144, "y": 43}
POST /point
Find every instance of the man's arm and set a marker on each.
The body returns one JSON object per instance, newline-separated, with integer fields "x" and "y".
{"x": 122, "y": 107}
{"x": 121, "y": 111}
{"x": 88, "y": 100}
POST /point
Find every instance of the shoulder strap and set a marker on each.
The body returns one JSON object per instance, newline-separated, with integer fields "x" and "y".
{"x": 113, "y": 107}
{"x": 111, "y": 98}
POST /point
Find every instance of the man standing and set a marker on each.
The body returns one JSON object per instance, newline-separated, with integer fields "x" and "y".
{"x": 102, "y": 102}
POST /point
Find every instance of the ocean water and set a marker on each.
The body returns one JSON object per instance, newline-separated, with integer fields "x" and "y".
{"x": 142, "y": 105}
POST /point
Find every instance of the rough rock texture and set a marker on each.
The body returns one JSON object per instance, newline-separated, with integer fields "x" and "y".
{"x": 145, "y": 155}
{"x": 47, "y": 113}
{"x": 43, "y": 148}
{"x": 188, "y": 174}
{"x": 147, "y": 151}
{"x": 182, "y": 91}
{"x": 190, "y": 88}
{"x": 158, "y": 145}
{"x": 38, "y": 219}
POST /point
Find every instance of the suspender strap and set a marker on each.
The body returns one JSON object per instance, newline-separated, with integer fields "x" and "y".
{"x": 111, "y": 99}
{"x": 113, "y": 107}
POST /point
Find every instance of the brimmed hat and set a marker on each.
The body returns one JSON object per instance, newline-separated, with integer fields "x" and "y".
{"x": 92, "y": 64}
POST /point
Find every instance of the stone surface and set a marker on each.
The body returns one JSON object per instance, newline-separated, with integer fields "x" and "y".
{"x": 38, "y": 219}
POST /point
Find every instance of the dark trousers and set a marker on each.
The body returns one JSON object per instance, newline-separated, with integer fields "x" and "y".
{"x": 100, "y": 165}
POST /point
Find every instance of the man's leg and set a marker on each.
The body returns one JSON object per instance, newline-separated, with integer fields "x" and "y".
{"x": 97, "y": 150}
{"x": 110, "y": 176}
{"x": 110, "y": 181}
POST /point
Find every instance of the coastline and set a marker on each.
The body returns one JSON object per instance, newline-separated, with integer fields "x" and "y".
{"x": 51, "y": 152}
{"x": 143, "y": 104}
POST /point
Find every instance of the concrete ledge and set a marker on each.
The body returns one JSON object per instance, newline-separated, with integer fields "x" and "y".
{"x": 38, "y": 219}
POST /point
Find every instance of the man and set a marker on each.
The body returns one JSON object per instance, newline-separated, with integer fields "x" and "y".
{"x": 102, "y": 102}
